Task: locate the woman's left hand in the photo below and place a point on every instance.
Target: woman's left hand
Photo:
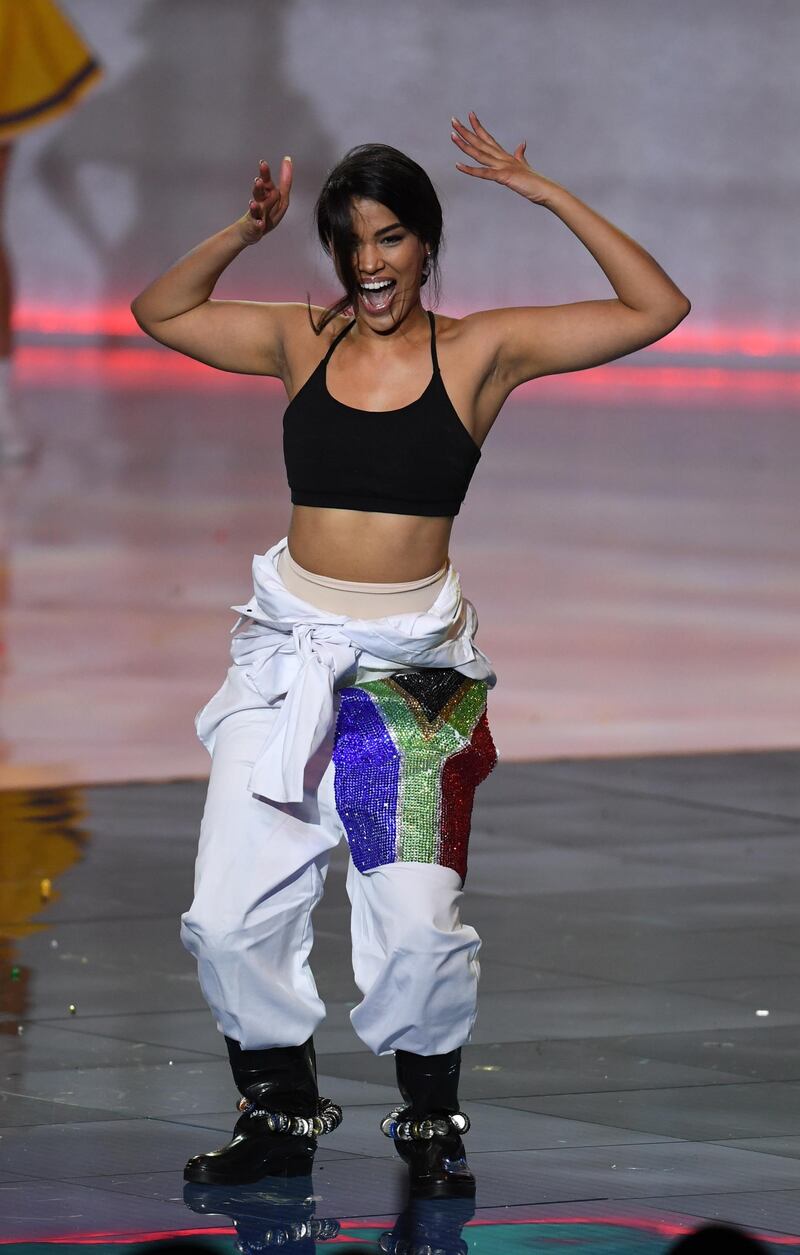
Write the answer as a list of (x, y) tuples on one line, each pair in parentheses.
[(512, 170)]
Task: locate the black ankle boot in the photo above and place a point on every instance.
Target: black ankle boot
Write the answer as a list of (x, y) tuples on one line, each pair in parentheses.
[(427, 1131), (282, 1115)]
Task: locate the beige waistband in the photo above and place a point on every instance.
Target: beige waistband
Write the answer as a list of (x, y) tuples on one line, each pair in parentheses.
[(357, 599)]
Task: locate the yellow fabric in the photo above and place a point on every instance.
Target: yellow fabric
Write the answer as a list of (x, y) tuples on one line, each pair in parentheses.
[(41, 836), (45, 66)]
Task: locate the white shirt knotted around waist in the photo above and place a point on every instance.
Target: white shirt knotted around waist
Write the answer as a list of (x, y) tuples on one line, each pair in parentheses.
[(289, 654)]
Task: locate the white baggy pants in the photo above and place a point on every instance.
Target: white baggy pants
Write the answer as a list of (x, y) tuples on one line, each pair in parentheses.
[(260, 872)]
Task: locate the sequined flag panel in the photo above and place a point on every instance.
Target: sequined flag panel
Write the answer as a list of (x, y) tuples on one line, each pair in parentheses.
[(409, 753)]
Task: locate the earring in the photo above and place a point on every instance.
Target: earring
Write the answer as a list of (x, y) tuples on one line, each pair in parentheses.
[(426, 270)]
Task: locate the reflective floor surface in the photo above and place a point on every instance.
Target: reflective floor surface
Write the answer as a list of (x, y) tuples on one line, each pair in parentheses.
[(634, 1071)]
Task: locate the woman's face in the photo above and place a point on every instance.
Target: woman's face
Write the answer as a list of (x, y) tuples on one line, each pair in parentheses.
[(388, 261)]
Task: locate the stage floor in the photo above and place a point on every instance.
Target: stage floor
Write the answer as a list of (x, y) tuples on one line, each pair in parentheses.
[(634, 1068)]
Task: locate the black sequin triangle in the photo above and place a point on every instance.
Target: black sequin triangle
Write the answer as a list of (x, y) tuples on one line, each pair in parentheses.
[(432, 689)]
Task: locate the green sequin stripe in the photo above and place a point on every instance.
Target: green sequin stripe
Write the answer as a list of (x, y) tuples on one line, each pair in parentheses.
[(419, 803), (469, 709)]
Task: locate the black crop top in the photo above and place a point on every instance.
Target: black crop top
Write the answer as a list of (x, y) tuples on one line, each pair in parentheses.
[(417, 459)]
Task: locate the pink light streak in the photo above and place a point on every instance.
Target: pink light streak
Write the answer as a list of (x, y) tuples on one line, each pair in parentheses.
[(642, 1224), (746, 340)]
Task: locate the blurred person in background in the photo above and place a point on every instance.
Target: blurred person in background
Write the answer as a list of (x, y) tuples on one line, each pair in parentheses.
[(45, 69)]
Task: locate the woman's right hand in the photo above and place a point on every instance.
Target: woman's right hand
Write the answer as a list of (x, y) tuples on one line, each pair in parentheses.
[(269, 203)]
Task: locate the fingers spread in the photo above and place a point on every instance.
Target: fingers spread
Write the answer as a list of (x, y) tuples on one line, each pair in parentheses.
[(472, 147), (481, 130), (470, 136), (459, 126), (460, 140)]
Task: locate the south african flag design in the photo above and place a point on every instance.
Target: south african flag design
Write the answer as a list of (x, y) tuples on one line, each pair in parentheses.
[(409, 753)]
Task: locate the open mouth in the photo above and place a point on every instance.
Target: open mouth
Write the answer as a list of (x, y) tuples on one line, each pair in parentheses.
[(376, 296)]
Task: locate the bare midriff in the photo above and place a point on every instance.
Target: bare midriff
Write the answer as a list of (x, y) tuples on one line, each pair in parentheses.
[(373, 548)]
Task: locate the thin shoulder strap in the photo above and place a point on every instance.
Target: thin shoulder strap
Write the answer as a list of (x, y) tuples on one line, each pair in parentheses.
[(434, 357), (340, 336)]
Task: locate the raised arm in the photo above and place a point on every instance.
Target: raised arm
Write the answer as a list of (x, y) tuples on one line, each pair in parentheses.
[(243, 336), (531, 341)]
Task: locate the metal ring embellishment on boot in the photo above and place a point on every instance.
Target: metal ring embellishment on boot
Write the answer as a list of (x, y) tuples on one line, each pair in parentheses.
[(328, 1118), (423, 1130), (316, 1230), (388, 1244)]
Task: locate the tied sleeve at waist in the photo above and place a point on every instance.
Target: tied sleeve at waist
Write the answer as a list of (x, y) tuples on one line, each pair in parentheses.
[(299, 671), (293, 656)]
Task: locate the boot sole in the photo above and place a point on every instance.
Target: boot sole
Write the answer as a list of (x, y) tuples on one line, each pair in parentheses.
[(293, 1166)]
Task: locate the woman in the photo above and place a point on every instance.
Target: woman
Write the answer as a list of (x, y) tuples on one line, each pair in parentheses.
[(356, 699)]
